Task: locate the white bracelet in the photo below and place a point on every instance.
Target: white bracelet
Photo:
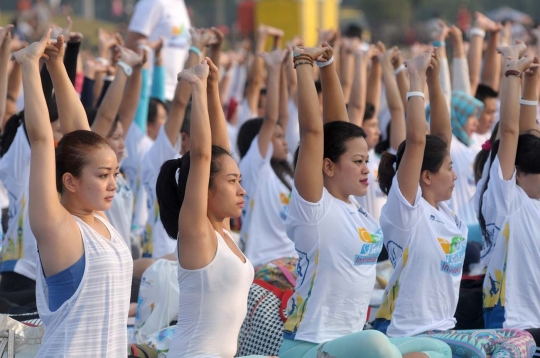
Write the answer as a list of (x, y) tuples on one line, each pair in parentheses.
[(526, 102), (145, 47), (476, 31), (400, 69), (415, 94), (103, 61), (324, 64)]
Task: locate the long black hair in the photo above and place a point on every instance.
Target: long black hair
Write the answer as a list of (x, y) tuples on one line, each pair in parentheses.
[(483, 155), (434, 153), (247, 133), (171, 187)]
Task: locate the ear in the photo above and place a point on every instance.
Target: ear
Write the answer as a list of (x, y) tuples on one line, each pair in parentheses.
[(328, 167), (70, 182), (425, 177)]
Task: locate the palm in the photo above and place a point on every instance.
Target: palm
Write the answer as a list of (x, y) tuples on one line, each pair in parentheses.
[(513, 52), (420, 63), (195, 74), (313, 52), (274, 58)]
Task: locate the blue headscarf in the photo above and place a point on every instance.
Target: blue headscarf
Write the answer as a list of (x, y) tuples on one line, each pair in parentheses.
[(463, 106)]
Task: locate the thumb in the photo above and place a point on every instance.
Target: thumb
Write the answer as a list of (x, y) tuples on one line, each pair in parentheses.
[(46, 36)]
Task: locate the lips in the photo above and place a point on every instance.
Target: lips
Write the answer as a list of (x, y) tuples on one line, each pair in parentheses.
[(109, 198), (365, 181), (241, 204)]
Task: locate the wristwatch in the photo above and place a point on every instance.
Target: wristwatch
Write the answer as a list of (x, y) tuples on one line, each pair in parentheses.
[(127, 69)]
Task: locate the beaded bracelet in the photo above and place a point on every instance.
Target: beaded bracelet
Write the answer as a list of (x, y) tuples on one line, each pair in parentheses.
[(302, 56), (302, 62)]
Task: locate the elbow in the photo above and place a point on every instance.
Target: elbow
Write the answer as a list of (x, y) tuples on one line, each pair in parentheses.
[(416, 140), (311, 131), (509, 129), (200, 154)]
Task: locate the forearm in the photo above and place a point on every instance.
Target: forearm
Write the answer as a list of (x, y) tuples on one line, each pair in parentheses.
[(46, 82), (347, 72), (71, 111), (200, 133), (397, 111), (128, 106), (37, 121), (491, 74), (87, 94), (444, 78), (108, 109), (334, 108), (440, 124), (527, 114), (416, 117), (218, 124), (475, 60), (283, 118), (357, 100), (373, 96), (14, 81), (461, 75)]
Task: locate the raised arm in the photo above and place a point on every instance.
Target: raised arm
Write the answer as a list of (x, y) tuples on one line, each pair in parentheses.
[(348, 47), (357, 100), (132, 94), (199, 40), (71, 112), (528, 112), (255, 79), (111, 101), (401, 78), (411, 164), (194, 242), (491, 73), (374, 81), (214, 48), (283, 117), (460, 73), (440, 124), (218, 123), (477, 34), (308, 175), (397, 112), (54, 228), (439, 41), (334, 108), (511, 89), (5, 52), (273, 63)]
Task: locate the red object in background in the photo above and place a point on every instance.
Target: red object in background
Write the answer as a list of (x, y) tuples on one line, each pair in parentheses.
[(246, 17), (23, 5), (463, 18), (79, 80)]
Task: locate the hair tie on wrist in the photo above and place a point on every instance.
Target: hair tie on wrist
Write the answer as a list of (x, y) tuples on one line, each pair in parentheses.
[(400, 69), (195, 50), (487, 145), (476, 31), (415, 94), (327, 63), (526, 102), (439, 44)]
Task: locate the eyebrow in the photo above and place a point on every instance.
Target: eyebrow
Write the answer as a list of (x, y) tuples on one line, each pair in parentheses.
[(107, 168), (234, 175), (358, 155)]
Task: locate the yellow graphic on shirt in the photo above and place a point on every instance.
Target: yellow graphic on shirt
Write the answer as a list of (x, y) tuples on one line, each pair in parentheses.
[(148, 242), (494, 287), (365, 236), (13, 250), (389, 304), (297, 304), (178, 30), (284, 198), (405, 256)]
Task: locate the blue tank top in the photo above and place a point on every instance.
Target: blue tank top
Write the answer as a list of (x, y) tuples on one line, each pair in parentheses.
[(63, 285)]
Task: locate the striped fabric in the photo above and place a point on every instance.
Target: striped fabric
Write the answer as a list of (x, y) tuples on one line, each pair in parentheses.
[(92, 323)]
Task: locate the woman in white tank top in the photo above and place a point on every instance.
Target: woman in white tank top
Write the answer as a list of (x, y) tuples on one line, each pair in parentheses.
[(198, 194), (92, 321)]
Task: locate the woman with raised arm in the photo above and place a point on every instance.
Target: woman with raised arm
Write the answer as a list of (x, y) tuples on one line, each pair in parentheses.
[(509, 206), (267, 175), (425, 239), (75, 241), (337, 240), (198, 194)]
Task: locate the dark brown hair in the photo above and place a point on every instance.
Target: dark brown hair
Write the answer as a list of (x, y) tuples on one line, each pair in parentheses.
[(73, 152)]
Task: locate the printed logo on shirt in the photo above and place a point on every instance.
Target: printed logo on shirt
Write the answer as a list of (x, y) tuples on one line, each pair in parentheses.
[(455, 254), (179, 37), (362, 211), (370, 249), (284, 199), (492, 231)]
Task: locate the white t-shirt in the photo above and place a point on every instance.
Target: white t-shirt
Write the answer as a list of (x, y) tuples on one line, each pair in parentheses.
[(512, 281), (120, 213), (168, 19), (263, 233), (338, 245), (427, 248), (374, 200), (463, 196), (245, 113), (156, 242), (137, 145), (293, 128), (19, 252), (478, 140)]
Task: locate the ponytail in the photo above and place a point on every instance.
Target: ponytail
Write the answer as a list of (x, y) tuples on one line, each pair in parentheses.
[(483, 155), (491, 155), (169, 195)]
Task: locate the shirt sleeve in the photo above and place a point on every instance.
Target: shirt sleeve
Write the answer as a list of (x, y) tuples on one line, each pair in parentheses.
[(252, 165), (502, 192), (146, 16), (303, 211)]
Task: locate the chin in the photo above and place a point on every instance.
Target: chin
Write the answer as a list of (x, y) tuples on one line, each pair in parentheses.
[(360, 193)]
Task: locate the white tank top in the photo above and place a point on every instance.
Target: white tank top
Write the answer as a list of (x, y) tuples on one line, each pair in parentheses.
[(120, 214), (92, 323), (213, 305)]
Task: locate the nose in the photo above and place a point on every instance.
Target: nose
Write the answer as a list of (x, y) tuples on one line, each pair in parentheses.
[(113, 186), (241, 191)]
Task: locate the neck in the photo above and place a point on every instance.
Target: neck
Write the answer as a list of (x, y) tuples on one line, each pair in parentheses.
[(217, 223), (430, 198), (85, 215), (334, 190)]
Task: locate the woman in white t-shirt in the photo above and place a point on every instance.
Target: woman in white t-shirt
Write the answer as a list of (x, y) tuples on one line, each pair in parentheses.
[(510, 203), (267, 174), (81, 256), (425, 240), (337, 240), (198, 194)]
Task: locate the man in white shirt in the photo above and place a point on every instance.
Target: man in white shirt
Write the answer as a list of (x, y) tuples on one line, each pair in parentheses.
[(168, 19)]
